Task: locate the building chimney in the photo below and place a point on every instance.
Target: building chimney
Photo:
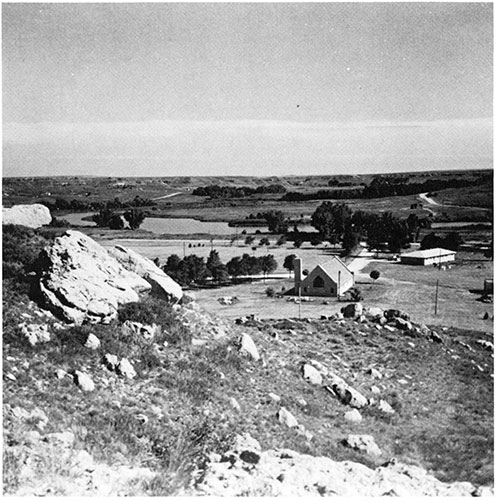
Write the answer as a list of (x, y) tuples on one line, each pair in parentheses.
[(297, 267)]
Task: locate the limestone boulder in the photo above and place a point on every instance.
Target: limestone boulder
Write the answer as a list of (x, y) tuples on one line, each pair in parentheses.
[(287, 473), (29, 215), (364, 443), (79, 281), (162, 285)]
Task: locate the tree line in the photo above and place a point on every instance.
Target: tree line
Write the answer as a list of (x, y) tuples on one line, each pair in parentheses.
[(384, 186), (194, 269), (231, 192), (61, 204)]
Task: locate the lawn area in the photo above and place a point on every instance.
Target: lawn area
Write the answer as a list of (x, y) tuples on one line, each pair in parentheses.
[(413, 289)]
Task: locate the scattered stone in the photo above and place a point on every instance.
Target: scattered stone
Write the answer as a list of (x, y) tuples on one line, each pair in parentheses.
[(435, 337), (84, 381), (374, 373), (235, 404), (390, 328), (28, 215), (347, 394), (402, 381), (92, 342), (274, 397), (364, 443), (301, 402), (373, 313), (66, 438), (485, 344), (133, 328), (385, 407), (126, 369), (402, 324), (35, 333), (411, 344), (247, 346), (374, 389), (198, 342), (285, 417), (60, 373), (111, 361), (392, 313), (312, 375), (353, 310), (353, 416)]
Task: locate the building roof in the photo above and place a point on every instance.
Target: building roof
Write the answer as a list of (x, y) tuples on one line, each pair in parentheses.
[(428, 253), (332, 267)]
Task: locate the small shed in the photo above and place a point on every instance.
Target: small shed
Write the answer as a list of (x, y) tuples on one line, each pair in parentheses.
[(434, 256), (331, 278)]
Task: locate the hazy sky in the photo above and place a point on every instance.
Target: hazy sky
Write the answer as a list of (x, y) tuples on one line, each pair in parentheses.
[(265, 89)]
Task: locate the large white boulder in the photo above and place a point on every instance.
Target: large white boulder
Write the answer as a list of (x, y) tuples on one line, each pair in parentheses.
[(162, 284), (29, 215), (79, 281)]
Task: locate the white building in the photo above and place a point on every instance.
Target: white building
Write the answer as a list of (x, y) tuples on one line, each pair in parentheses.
[(428, 257)]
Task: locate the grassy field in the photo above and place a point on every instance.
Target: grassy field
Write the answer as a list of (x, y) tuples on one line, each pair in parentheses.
[(409, 288)]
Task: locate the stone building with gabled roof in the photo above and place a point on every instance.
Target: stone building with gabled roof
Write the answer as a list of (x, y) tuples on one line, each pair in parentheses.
[(332, 278)]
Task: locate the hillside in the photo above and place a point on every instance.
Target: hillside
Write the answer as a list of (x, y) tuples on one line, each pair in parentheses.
[(77, 422)]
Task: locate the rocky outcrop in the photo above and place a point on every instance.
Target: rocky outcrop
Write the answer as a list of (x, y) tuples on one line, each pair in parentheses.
[(79, 281), (161, 283), (29, 215), (288, 473)]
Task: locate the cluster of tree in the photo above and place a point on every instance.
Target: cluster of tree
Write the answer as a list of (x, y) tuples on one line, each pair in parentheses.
[(337, 223), (194, 270), (230, 192), (108, 218), (336, 183), (450, 241), (387, 186), (322, 194), (61, 204)]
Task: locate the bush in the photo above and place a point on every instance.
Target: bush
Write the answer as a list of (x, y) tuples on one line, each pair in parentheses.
[(270, 292), (356, 295), (20, 250)]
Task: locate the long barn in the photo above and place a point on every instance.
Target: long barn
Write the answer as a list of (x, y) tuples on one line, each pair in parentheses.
[(433, 256)]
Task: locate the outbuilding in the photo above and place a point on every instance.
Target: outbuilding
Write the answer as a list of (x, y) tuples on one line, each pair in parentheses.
[(332, 278), (434, 256)]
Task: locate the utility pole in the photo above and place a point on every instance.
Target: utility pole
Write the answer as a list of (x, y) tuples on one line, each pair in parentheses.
[(300, 300), (436, 300), (184, 248)]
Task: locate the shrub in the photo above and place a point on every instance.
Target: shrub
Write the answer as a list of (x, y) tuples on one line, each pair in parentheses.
[(270, 292), (356, 295)]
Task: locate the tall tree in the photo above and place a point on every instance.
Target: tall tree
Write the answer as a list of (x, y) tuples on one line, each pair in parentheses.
[(288, 263), (331, 220), (135, 217), (276, 222)]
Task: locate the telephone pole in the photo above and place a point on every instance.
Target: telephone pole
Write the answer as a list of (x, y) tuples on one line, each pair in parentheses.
[(436, 300)]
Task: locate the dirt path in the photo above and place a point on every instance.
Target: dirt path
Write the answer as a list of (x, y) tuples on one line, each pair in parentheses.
[(427, 199), (167, 196)]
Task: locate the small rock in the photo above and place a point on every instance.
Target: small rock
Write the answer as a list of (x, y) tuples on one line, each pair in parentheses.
[(10, 376), (312, 375), (84, 381), (386, 407), (60, 374), (364, 443), (353, 310), (274, 397), (353, 416), (374, 389), (35, 333), (111, 361), (126, 369), (435, 337), (302, 402), (92, 342), (285, 417), (235, 404), (247, 346), (66, 438), (374, 373), (485, 344)]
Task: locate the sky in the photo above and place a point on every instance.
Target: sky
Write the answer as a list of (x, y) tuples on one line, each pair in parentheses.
[(163, 89)]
